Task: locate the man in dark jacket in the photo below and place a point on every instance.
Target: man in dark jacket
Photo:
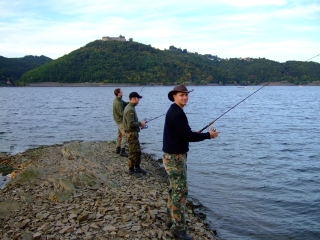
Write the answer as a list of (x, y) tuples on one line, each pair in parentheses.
[(117, 110), (132, 126), (176, 137)]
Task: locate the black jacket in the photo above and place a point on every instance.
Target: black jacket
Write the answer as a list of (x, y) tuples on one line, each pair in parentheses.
[(177, 133)]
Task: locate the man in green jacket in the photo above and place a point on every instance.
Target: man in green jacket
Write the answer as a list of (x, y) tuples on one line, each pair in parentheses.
[(117, 109), (132, 127)]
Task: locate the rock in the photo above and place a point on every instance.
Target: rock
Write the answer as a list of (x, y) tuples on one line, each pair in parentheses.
[(36, 236), (66, 229), (94, 226), (26, 236), (136, 228), (83, 217), (59, 196), (121, 233), (24, 223), (80, 190), (8, 206), (72, 216), (66, 185), (26, 197), (109, 228)]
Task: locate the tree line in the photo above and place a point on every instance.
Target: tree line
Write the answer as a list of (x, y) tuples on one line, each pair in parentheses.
[(135, 63), (11, 69)]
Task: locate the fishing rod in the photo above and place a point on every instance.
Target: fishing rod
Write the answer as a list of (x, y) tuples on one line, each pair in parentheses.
[(142, 88), (209, 124), (146, 126), (307, 60), (248, 97), (149, 120)]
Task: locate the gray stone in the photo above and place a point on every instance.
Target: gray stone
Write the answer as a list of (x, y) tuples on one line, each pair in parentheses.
[(109, 228)]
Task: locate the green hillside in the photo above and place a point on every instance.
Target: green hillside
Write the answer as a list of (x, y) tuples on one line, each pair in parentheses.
[(136, 63), (12, 68)]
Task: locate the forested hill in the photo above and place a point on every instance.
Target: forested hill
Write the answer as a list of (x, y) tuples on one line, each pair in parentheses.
[(12, 68), (131, 62)]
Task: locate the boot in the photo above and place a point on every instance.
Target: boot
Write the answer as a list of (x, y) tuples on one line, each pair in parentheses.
[(118, 150), (123, 152), (133, 173), (182, 234), (169, 224), (138, 169)]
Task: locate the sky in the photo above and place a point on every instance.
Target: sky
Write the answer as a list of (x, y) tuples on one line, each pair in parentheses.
[(279, 30)]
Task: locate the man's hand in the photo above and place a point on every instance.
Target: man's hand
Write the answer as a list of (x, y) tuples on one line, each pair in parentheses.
[(213, 133), (142, 123)]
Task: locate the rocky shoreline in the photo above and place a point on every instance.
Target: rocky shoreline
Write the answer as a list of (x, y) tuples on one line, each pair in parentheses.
[(80, 190)]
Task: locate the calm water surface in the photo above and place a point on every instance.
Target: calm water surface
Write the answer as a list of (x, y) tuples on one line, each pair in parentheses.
[(260, 179)]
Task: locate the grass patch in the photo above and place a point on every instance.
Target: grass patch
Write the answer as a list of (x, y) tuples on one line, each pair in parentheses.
[(25, 176), (5, 170)]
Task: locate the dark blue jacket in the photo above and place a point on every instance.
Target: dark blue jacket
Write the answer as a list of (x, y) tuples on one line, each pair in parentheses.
[(177, 133)]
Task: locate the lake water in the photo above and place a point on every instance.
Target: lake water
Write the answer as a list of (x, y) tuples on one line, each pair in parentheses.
[(260, 179)]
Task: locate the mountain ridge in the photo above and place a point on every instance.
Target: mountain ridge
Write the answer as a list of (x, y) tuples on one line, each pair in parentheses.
[(131, 62)]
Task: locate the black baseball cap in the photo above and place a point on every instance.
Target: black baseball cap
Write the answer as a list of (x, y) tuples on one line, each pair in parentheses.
[(134, 94)]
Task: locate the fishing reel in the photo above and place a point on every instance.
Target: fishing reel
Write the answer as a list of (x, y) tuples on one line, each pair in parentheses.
[(144, 127)]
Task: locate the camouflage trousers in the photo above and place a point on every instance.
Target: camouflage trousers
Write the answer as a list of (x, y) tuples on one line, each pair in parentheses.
[(176, 168), (134, 154), (121, 138)]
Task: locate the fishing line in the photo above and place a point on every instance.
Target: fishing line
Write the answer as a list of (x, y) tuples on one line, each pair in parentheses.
[(233, 107), (149, 120), (141, 89), (209, 124), (307, 60), (249, 96)]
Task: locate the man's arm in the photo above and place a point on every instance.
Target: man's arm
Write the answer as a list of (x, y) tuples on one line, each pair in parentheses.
[(183, 129)]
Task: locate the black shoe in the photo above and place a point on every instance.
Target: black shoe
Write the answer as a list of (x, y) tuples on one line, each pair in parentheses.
[(118, 150), (140, 170), (182, 235), (123, 153)]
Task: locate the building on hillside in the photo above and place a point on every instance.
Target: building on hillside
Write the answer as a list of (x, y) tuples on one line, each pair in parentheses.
[(120, 38)]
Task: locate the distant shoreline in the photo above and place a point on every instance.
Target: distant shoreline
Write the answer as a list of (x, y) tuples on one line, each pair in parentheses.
[(57, 84)]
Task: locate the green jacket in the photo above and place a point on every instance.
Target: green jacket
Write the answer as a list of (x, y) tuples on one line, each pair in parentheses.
[(117, 109), (130, 119)]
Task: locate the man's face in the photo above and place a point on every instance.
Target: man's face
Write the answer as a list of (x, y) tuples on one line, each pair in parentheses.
[(135, 100), (181, 98), (120, 94)]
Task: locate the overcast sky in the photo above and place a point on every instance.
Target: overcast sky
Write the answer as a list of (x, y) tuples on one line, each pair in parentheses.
[(279, 30)]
